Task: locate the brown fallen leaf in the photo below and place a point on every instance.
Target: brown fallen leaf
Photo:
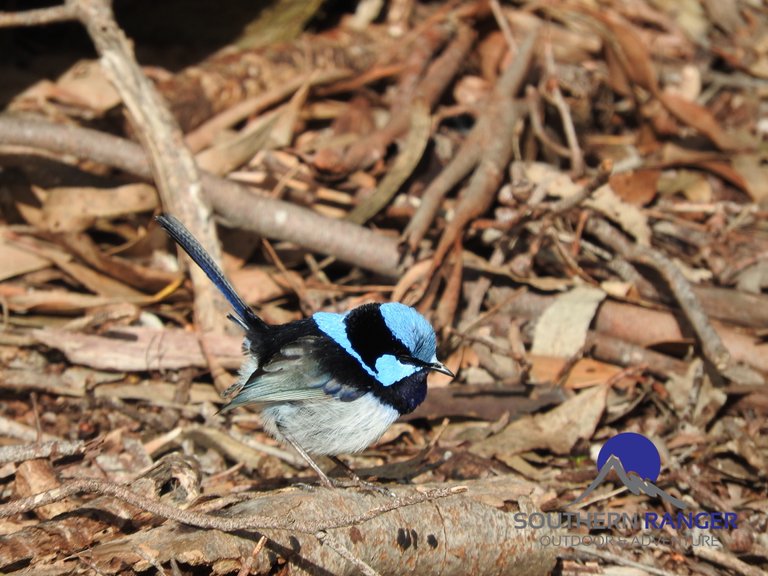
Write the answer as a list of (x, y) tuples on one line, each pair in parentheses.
[(751, 168), (17, 261), (673, 155), (85, 84), (74, 209), (127, 271), (256, 284), (98, 283), (557, 430), (585, 373), (631, 56), (636, 187), (700, 118), (236, 151), (89, 278)]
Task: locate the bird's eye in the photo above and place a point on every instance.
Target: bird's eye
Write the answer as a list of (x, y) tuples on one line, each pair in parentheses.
[(405, 359)]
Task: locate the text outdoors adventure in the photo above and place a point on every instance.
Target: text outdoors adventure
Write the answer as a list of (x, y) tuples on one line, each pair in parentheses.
[(636, 463)]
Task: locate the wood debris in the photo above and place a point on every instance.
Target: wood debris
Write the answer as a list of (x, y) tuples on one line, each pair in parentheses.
[(574, 194)]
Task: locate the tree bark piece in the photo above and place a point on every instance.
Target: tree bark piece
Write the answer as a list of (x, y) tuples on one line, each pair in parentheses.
[(620, 320), (233, 76), (463, 534), (101, 519)]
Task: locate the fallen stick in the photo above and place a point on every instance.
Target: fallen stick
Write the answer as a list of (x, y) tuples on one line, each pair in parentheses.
[(238, 204), (425, 530), (712, 346)]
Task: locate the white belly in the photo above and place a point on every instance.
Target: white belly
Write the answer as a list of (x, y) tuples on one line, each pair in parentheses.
[(329, 426)]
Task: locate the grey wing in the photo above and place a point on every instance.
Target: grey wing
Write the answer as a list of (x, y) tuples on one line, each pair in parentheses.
[(295, 374)]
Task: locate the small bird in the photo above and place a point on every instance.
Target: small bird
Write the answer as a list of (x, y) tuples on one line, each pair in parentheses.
[(332, 383)]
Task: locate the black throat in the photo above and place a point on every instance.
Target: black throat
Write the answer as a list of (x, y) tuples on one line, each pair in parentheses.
[(405, 395)]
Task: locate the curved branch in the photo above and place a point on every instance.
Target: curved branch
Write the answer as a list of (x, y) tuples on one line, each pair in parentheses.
[(238, 204), (204, 520)]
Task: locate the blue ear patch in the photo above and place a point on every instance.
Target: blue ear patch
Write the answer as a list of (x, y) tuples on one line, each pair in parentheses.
[(412, 329), (390, 370)]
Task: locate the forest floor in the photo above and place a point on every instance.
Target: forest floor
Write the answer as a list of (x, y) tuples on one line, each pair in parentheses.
[(573, 193)]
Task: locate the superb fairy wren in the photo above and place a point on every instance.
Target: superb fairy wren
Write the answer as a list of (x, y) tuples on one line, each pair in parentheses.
[(332, 383)]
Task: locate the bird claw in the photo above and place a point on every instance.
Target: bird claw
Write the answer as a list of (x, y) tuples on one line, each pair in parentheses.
[(363, 485), (305, 486), (344, 483)]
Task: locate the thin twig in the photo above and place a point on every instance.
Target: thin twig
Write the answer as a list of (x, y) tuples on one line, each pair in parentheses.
[(191, 518), (247, 565), (410, 155), (503, 23), (711, 345), (727, 560), (222, 379), (38, 17), (577, 156), (202, 136), (600, 179), (533, 99), (500, 117), (144, 554), (429, 87), (482, 145), (477, 293), (343, 551), (13, 429), (620, 560)]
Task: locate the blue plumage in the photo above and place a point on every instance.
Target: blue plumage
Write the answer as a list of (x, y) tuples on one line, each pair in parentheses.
[(390, 370), (332, 383), (333, 326), (404, 323), (412, 329)]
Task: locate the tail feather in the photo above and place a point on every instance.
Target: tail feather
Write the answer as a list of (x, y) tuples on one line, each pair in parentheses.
[(244, 315)]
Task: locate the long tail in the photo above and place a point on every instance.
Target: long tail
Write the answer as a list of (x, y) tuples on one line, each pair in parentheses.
[(246, 317)]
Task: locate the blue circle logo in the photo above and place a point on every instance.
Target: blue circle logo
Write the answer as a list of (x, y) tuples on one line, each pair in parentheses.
[(636, 453)]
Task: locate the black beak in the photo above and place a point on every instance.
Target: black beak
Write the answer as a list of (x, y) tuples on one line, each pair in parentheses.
[(442, 368)]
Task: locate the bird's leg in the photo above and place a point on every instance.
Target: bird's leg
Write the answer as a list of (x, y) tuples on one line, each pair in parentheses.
[(324, 480), (344, 466), (327, 482)]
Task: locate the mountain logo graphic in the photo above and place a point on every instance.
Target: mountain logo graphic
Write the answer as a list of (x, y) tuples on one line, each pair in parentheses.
[(636, 462)]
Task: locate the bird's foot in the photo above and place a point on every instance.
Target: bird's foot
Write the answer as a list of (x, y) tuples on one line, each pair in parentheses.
[(356, 482), (353, 481)]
